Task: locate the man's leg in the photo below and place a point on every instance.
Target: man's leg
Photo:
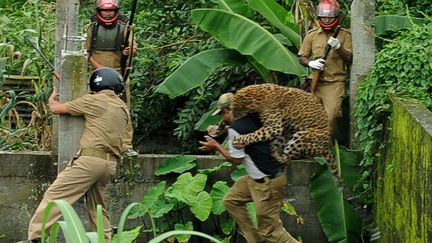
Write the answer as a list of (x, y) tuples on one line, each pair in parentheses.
[(70, 185), (331, 95), (95, 196), (268, 202), (235, 202)]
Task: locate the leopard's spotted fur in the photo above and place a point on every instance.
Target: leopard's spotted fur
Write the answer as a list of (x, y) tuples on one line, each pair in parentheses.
[(292, 119)]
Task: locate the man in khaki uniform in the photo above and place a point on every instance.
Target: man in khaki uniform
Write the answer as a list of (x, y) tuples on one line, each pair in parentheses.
[(104, 44), (264, 184), (331, 85), (106, 121)]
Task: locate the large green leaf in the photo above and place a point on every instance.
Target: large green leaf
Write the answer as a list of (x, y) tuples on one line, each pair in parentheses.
[(279, 17), (200, 205), (194, 71), (168, 234), (351, 170), (208, 119), (216, 168), (121, 224), (340, 222), (237, 32), (187, 226), (238, 172), (128, 236), (177, 164), (236, 6), (154, 202), (227, 225), (218, 193), (187, 184), (99, 224), (72, 227), (395, 22)]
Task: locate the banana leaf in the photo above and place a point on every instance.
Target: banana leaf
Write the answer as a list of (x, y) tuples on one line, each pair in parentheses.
[(237, 32), (194, 71), (278, 17), (340, 221), (208, 119), (395, 22), (236, 6)]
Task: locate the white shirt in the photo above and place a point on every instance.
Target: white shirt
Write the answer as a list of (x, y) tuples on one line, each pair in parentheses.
[(249, 165)]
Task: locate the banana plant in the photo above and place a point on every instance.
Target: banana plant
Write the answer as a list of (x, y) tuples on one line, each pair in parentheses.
[(339, 219), (245, 41)]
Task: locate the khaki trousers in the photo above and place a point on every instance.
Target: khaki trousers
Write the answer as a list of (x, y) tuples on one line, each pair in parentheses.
[(331, 94), (86, 176), (126, 97), (267, 197)]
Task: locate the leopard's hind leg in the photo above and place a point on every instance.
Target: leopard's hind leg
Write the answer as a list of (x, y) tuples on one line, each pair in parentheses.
[(310, 143)]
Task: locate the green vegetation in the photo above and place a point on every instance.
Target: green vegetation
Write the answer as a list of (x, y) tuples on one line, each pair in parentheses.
[(34, 18), (401, 68)]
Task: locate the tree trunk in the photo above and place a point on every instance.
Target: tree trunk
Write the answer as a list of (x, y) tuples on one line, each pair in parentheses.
[(363, 35)]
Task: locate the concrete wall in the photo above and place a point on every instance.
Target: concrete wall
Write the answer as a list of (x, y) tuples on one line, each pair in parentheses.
[(25, 176), (404, 185)]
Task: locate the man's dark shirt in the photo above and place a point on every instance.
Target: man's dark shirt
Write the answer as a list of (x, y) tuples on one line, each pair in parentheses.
[(260, 152)]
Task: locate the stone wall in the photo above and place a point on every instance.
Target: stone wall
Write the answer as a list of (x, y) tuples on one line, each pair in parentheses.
[(25, 176), (404, 185)]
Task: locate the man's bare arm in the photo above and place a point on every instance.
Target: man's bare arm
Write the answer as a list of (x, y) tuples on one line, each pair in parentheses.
[(211, 144), (55, 105)]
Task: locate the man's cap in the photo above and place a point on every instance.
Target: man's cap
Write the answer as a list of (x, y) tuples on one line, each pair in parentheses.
[(223, 101)]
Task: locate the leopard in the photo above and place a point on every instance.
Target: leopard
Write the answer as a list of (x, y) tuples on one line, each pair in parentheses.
[(293, 120), (295, 123)]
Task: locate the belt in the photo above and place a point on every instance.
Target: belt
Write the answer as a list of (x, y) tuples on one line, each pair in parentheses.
[(280, 172), (98, 154)]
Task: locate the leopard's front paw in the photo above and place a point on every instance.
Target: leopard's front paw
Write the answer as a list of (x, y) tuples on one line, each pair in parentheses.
[(239, 142)]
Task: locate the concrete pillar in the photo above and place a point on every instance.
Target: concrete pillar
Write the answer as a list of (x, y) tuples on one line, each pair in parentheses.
[(73, 85), (363, 36)]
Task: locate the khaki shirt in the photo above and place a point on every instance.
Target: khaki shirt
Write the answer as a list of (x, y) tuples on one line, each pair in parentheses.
[(106, 121), (313, 48), (106, 58)]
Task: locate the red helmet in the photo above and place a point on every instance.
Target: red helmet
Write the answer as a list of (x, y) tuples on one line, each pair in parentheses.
[(107, 5), (329, 9)]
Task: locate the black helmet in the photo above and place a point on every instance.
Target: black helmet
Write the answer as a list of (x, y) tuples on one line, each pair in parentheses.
[(106, 78)]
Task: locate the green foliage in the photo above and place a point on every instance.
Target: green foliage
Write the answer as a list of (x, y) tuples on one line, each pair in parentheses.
[(173, 202), (258, 42), (402, 68), (73, 229), (183, 232), (417, 8), (340, 221), (165, 37), (37, 19)]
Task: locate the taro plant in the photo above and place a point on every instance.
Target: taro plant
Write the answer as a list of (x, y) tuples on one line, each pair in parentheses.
[(185, 204), (191, 202), (74, 232)]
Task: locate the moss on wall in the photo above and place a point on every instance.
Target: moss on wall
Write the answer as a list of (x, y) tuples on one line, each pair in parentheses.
[(404, 186)]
